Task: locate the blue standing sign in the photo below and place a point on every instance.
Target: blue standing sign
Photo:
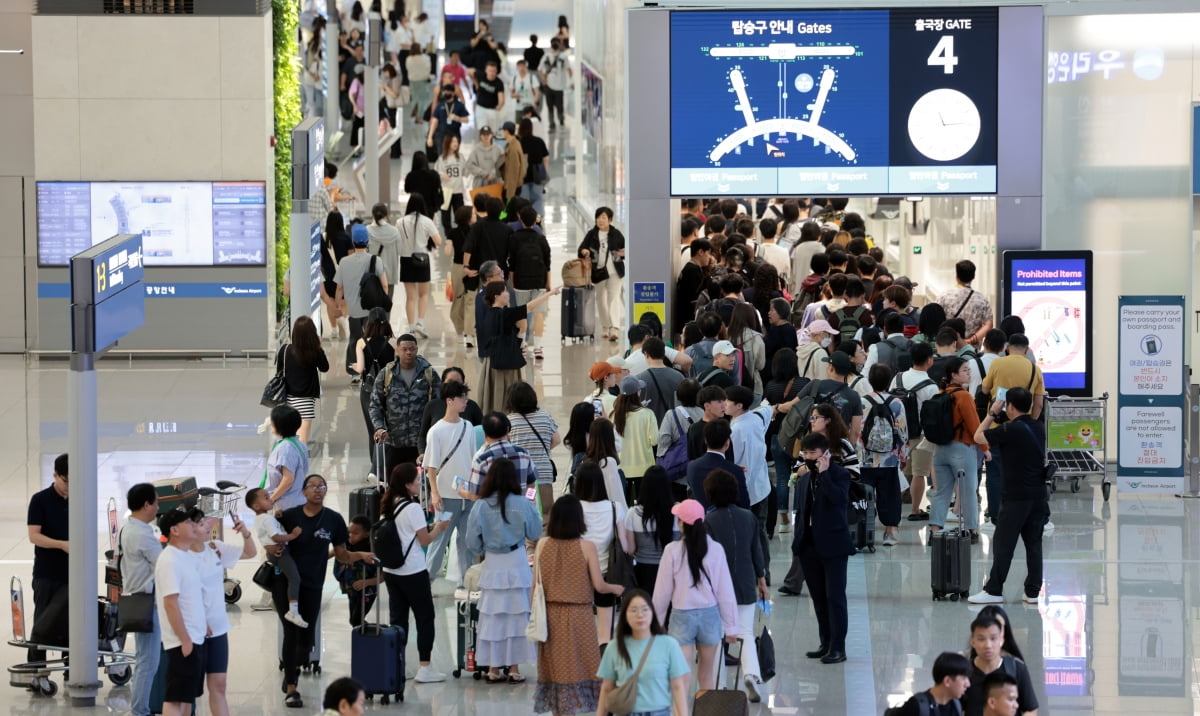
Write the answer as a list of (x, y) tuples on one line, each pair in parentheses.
[(107, 297)]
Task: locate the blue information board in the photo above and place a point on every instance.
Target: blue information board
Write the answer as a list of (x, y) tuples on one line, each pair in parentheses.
[(107, 297)]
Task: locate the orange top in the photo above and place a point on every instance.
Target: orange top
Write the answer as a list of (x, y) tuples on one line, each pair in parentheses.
[(966, 420)]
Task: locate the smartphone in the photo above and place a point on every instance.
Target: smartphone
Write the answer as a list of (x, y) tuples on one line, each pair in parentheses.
[(1001, 393), (531, 493), (444, 516), (232, 517)]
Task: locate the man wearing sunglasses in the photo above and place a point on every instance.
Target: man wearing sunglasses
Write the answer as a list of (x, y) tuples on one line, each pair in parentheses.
[(48, 526)]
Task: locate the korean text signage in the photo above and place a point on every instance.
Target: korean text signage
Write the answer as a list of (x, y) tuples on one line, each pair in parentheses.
[(107, 299), (650, 297), (1150, 395)]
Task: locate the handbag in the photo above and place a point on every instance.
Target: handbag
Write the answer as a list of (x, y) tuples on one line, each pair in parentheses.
[(135, 612), (275, 391), (623, 698), (599, 272), (553, 467), (264, 576), (418, 259), (537, 629), (620, 564), (765, 645)]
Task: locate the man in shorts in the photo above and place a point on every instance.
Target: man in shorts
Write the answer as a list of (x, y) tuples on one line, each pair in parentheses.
[(180, 601), (920, 450)]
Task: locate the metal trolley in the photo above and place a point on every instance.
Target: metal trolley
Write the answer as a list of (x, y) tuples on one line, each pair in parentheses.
[(1076, 438), (225, 499)]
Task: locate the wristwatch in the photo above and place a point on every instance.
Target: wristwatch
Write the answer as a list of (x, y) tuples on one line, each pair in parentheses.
[(995, 416)]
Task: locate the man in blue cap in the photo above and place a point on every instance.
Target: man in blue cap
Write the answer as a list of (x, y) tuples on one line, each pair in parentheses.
[(349, 274)]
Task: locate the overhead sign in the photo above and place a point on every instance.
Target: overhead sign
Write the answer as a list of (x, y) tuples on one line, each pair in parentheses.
[(107, 298), (1150, 394)]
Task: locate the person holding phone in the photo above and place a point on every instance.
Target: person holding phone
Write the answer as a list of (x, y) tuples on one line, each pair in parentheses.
[(1011, 371)]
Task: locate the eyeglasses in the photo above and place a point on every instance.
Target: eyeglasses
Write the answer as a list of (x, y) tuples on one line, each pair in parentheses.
[(318, 488), (811, 418)]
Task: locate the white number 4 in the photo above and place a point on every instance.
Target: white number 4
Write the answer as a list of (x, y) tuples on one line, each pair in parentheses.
[(943, 54)]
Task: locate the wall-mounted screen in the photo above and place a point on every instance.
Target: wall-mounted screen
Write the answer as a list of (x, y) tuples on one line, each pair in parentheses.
[(1052, 293), (186, 223), (843, 101)]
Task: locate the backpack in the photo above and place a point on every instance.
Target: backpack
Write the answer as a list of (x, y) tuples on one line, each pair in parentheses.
[(675, 459), (795, 424), (708, 375), (880, 436), (385, 539), (937, 371), (371, 293), (925, 704), (803, 297), (895, 353), (908, 396), (389, 371), (937, 418), (849, 323), (702, 356)]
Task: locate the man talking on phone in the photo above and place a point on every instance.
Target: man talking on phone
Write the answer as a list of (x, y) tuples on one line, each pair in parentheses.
[(1013, 370), (821, 542), (1023, 512)]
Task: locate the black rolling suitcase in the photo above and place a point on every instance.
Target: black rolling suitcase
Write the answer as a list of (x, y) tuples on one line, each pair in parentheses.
[(950, 571), (861, 515), (578, 312), (365, 500)]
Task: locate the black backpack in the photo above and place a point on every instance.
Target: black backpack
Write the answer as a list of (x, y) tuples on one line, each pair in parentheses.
[(385, 539), (895, 353), (908, 396), (937, 371), (937, 418), (371, 292), (849, 323), (924, 705)]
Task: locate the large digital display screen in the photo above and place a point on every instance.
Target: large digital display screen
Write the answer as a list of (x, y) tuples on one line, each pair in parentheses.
[(844, 101), (1052, 293), (189, 223)]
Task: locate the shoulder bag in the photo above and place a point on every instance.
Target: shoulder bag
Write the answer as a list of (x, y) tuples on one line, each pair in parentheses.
[(135, 612), (599, 271), (537, 629), (419, 259), (620, 565), (275, 392), (970, 292), (623, 698), (553, 467)]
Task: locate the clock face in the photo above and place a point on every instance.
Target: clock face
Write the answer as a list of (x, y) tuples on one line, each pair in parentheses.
[(943, 124)]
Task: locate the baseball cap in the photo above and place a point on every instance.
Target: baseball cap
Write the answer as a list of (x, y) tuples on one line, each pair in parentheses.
[(170, 518), (485, 130), (631, 385), (509, 127), (723, 348), (905, 281), (840, 362), (689, 511), (601, 370), (358, 233), (820, 326)]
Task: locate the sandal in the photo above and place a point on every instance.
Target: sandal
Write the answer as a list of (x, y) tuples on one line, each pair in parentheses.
[(495, 679), (516, 678), (293, 700), (918, 516)]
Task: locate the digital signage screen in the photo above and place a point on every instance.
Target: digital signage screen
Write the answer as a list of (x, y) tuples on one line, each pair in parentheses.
[(1052, 293), (845, 101), (187, 223)]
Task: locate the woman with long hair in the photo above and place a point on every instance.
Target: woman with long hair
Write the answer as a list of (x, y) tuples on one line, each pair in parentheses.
[(409, 585), (335, 246), (693, 579), (957, 458), (875, 300), (764, 288), (374, 351), (641, 641), (638, 429), (418, 239), (567, 682), (314, 72), (602, 519), (826, 419), (534, 430), (449, 167), (301, 362), (649, 526), (423, 181), (500, 522), (932, 318), (602, 450), (384, 242), (743, 334), (779, 334), (576, 438)]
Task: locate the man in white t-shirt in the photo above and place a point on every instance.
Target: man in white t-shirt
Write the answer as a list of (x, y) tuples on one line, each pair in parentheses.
[(449, 448), (636, 363), (179, 597), (526, 89), (770, 251)]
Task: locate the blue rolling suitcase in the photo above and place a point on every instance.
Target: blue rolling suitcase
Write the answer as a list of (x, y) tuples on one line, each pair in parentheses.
[(377, 658)]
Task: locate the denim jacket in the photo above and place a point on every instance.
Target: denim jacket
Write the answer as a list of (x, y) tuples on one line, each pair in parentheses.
[(398, 407), (488, 532)]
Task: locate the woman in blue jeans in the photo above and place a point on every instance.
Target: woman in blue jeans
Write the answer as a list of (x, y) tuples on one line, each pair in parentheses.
[(957, 460)]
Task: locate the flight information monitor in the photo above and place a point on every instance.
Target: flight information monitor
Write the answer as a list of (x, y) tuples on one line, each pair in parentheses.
[(186, 223), (840, 101)]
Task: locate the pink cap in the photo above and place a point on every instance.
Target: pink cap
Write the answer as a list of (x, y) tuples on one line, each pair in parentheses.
[(689, 511), (820, 326)]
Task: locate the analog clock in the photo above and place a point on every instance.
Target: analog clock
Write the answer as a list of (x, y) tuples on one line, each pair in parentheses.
[(943, 124)]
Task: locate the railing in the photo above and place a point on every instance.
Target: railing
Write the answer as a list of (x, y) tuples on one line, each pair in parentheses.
[(164, 353), (154, 7)]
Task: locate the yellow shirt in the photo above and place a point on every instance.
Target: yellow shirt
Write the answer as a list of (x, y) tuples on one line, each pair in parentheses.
[(1013, 371), (638, 442)]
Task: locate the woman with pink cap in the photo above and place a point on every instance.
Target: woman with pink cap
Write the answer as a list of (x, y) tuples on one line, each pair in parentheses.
[(693, 579), (816, 342)]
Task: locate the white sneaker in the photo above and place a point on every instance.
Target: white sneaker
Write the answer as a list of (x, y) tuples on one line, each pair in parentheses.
[(419, 330), (1048, 529), (982, 597), (890, 542), (752, 683), (1028, 599), (296, 619), (426, 675), (266, 604), (784, 528)]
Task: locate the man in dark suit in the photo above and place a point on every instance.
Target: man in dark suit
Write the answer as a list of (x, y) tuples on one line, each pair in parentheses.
[(716, 437), (821, 543)]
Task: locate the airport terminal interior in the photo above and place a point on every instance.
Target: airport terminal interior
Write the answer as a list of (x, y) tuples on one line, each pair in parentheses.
[(1111, 631)]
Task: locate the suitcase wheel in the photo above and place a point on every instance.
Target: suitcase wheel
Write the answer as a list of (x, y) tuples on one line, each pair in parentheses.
[(964, 595), (385, 700), (937, 596), (457, 673), (954, 596), (871, 548), (477, 675)]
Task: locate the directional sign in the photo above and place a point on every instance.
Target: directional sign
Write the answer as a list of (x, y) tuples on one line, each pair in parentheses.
[(107, 294), (113, 266)]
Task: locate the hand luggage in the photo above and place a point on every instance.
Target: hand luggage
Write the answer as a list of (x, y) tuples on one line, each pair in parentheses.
[(467, 628), (365, 501), (176, 492), (864, 510), (577, 273), (950, 571), (579, 313), (723, 702), (377, 658)]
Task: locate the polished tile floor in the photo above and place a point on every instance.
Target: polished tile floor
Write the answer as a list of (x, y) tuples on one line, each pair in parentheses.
[(1112, 634)]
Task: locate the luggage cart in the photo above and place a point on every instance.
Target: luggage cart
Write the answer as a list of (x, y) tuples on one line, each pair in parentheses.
[(467, 606), (225, 499), (1076, 437), (35, 675)]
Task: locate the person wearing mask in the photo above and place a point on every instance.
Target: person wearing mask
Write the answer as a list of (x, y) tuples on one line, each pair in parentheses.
[(643, 647), (739, 534), (348, 277), (500, 523), (694, 581), (418, 240), (555, 73), (955, 463), (515, 164), (461, 314), (951, 679), (139, 551), (375, 350), (483, 166), (649, 526), (885, 449), (384, 242), (717, 440), (638, 429), (398, 401), (529, 257), (451, 169), (605, 376), (301, 363), (815, 343), (566, 682), (604, 522), (604, 246), (537, 159), (214, 557), (450, 445), (179, 600), (446, 120)]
